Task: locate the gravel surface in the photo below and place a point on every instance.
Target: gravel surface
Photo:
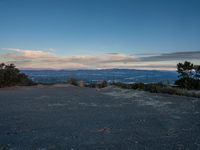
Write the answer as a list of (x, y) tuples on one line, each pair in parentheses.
[(71, 118)]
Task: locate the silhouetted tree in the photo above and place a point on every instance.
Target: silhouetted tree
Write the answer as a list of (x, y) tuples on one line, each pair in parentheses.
[(10, 75), (189, 75), (185, 69), (197, 69)]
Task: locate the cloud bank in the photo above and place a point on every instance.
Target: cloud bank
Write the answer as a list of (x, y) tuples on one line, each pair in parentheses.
[(48, 59)]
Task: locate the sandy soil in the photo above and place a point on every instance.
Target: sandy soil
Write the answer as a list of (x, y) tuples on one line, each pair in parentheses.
[(63, 117)]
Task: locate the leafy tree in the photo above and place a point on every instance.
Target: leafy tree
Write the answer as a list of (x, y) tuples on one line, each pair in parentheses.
[(185, 69), (189, 75), (197, 69), (10, 76)]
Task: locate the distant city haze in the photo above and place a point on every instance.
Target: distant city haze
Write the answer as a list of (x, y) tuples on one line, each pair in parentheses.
[(99, 34)]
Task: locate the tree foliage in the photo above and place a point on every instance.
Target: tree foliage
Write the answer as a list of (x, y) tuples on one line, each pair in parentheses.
[(10, 76), (189, 75)]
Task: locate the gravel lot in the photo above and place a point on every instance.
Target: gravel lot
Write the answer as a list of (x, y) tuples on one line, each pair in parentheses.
[(70, 118)]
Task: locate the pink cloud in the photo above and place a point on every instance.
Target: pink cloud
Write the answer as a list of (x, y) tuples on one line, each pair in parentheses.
[(25, 58)]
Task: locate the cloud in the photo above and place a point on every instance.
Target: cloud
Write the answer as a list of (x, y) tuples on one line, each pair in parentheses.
[(26, 58), (28, 54), (173, 56)]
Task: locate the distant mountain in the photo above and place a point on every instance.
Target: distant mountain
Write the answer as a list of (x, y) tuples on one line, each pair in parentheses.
[(111, 75)]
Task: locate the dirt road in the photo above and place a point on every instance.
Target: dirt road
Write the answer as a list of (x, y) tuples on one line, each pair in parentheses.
[(72, 118)]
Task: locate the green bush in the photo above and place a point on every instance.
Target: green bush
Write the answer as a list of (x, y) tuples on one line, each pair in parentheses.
[(73, 81), (10, 76), (158, 88), (102, 84), (188, 83), (189, 76)]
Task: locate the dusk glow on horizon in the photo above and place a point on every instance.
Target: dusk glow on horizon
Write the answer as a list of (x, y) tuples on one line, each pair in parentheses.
[(99, 34)]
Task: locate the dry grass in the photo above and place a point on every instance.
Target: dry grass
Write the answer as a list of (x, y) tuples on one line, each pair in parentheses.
[(160, 88)]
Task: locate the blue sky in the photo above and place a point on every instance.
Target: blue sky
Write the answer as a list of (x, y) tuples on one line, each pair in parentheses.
[(91, 28)]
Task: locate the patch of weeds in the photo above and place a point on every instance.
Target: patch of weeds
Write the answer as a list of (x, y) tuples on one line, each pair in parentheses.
[(73, 81), (158, 88), (102, 84)]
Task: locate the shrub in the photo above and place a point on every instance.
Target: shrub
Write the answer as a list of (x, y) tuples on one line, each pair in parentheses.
[(10, 76), (121, 85), (189, 75), (103, 84), (158, 88), (73, 81), (188, 83)]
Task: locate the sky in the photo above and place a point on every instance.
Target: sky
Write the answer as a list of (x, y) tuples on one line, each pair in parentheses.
[(99, 34)]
